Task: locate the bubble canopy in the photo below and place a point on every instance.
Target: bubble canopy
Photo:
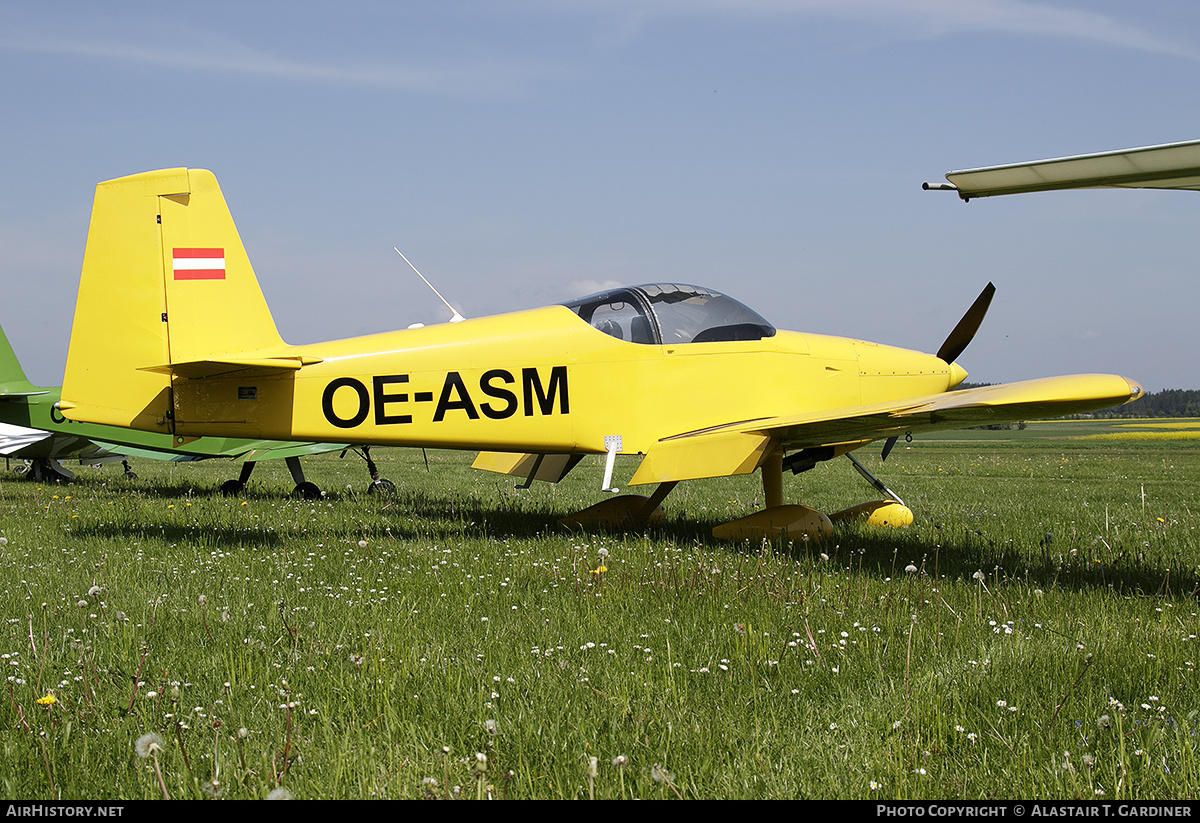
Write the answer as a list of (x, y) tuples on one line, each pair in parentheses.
[(669, 313)]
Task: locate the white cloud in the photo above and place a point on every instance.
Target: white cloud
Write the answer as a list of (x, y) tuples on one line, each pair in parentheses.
[(919, 18), (198, 50)]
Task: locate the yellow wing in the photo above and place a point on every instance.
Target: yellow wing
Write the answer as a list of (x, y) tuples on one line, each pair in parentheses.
[(738, 448)]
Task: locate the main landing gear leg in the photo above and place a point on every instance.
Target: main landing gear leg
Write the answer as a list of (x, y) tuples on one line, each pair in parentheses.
[(378, 484), (304, 490), (46, 470), (777, 521), (232, 487)]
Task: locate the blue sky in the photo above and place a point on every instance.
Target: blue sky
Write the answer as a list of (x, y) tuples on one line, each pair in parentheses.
[(523, 153)]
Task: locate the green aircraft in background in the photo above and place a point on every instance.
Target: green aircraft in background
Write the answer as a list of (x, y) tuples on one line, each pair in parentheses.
[(33, 430)]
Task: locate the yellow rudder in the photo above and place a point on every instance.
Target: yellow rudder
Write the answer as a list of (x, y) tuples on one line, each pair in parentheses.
[(165, 280)]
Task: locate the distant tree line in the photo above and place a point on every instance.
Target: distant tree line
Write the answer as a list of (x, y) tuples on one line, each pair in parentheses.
[(1165, 403)]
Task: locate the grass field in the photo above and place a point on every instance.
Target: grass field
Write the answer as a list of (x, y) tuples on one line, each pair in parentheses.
[(1033, 635)]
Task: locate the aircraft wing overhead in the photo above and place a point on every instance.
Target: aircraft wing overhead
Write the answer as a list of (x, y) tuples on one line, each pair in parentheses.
[(737, 448), (1168, 166)]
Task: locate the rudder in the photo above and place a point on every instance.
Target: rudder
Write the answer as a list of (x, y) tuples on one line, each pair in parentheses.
[(165, 280)]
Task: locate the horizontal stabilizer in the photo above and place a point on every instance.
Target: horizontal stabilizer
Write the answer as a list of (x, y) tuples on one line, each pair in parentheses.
[(205, 448), (220, 366), (270, 450), (152, 454), (15, 438)]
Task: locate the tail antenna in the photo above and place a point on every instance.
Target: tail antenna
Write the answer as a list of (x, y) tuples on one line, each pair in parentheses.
[(455, 316)]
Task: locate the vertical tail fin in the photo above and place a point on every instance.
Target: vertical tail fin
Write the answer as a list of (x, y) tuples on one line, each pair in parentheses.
[(165, 280), (12, 376)]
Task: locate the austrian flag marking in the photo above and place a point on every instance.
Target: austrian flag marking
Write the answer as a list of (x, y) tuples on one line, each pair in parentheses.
[(198, 264)]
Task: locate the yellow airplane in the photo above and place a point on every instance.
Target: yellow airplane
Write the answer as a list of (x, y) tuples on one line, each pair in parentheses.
[(172, 334)]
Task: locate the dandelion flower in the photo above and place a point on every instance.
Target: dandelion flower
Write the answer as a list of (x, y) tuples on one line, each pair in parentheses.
[(48, 700), (910, 568), (148, 744)]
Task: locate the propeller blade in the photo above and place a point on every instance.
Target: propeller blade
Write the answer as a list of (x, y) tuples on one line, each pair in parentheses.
[(961, 337)]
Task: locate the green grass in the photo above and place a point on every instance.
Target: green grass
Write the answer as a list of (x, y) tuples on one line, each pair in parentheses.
[(1045, 644)]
